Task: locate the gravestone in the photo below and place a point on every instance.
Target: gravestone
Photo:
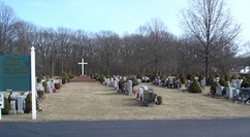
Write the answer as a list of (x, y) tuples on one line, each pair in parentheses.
[(140, 93), (229, 92), (219, 90), (39, 86), (20, 104), (234, 83), (238, 84), (13, 99), (108, 81), (203, 82), (130, 87)]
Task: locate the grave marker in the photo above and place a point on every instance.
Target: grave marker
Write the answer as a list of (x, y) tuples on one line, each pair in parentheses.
[(83, 63)]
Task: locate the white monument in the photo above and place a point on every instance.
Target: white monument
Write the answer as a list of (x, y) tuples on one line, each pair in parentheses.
[(83, 63)]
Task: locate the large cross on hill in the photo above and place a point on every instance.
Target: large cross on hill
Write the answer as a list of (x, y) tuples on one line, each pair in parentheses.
[(83, 63)]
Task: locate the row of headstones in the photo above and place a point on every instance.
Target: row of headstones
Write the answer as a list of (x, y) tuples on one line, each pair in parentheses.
[(17, 102), (172, 82), (127, 88), (50, 85)]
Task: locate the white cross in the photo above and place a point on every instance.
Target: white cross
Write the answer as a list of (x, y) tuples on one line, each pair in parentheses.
[(83, 63)]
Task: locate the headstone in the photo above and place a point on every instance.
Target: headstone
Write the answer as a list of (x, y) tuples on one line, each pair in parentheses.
[(117, 84), (203, 82), (219, 90), (39, 86), (140, 93), (49, 86), (238, 84), (108, 82), (229, 92), (129, 88), (12, 107), (234, 83), (112, 82), (20, 104)]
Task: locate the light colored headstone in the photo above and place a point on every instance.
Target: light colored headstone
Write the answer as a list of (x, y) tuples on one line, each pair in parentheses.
[(130, 88), (13, 107), (219, 90), (229, 92), (203, 82), (238, 84), (234, 83), (50, 87), (20, 104), (140, 93)]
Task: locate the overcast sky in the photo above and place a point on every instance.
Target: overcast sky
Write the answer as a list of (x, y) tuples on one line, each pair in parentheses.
[(119, 16)]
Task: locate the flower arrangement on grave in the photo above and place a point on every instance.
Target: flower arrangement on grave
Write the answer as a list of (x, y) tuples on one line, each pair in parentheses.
[(54, 90), (6, 109), (195, 88)]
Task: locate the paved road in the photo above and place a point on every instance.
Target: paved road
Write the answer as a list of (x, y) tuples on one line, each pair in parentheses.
[(141, 128)]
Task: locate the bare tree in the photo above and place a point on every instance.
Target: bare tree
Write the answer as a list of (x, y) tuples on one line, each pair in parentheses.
[(212, 25)]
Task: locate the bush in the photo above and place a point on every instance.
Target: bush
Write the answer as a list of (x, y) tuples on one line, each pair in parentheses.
[(40, 93), (190, 77), (38, 79), (159, 100), (28, 104), (223, 82), (245, 83), (45, 86), (57, 85), (101, 78), (227, 78), (213, 87), (194, 87), (134, 81), (65, 76), (234, 77), (6, 109), (182, 78), (70, 75), (121, 84), (64, 80)]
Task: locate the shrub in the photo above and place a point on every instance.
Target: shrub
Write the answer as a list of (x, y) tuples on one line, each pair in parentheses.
[(101, 78), (182, 78), (223, 82), (70, 75), (213, 87), (190, 77), (121, 84), (64, 80), (28, 104), (245, 83), (45, 86), (57, 85), (6, 109), (194, 87), (40, 93), (159, 100), (234, 77), (38, 79), (39, 75), (134, 81), (139, 76), (227, 78), (65, 76)]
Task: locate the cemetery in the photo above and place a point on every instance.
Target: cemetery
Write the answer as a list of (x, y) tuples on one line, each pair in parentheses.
[(49, 74)]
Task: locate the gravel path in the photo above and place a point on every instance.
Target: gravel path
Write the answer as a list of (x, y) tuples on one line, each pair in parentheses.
[(93, 101)]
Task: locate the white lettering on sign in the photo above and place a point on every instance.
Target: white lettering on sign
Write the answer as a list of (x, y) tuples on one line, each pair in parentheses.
[(1, 101)]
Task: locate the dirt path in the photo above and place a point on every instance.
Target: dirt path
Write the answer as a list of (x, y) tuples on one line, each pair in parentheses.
[(93, 101)]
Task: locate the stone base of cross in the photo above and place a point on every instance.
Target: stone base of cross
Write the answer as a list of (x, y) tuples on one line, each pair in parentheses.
[(83, 63)]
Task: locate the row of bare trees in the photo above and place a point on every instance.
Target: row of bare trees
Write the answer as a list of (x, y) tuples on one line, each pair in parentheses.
[(209, 45)]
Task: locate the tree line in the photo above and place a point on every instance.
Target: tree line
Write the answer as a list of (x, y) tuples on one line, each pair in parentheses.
[(208, 45)]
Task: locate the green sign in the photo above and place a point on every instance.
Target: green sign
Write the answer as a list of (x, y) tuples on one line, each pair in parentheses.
[(15, 72)]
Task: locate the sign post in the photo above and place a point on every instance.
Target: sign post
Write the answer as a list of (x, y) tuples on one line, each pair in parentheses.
[(1, 105), (33, 82)]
